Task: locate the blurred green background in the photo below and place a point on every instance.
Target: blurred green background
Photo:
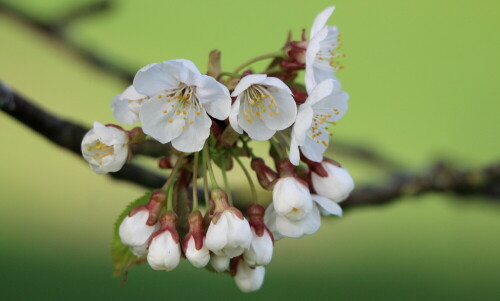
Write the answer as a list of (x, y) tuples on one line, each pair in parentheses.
[(423, 81)]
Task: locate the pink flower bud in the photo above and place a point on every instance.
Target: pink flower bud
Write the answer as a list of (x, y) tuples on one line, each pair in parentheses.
[(261, 248), (194, 243), (332, 181)]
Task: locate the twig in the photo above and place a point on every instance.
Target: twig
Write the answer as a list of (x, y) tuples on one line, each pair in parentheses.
[(57, 32)]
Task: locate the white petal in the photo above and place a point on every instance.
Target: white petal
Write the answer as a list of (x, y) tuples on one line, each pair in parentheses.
[(188, 64), (134, 231), (153, 79), (257, 130), (287, 108), (233, 117), (260, 251), (327, 206), (314, 150), (213, 96), (294, 152), (198, 258), (295, 229), (291, 198), (320, 91), (249, 279), (270, 222), (140, 251), (239, 235), (110, 135), (216, 238), (247, 81), (336, 186), (321, 19), (157, 124), (334, 104), (302, 124), (219, 263), (164, 253), (122, 111), (277, 83), (193, 137)]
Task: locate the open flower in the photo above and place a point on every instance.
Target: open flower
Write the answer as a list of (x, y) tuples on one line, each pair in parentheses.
[(105, 148), (261, 248), (320, 55), (126, 106), (180, 98), (194, 243), (324, 106), (229, 233), (164, 248), (281, 226), (142, 221), (248, 279), (263, 106), (333, 181)]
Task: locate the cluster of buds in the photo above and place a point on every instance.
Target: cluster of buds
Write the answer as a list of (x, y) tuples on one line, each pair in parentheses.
[(210, 120)]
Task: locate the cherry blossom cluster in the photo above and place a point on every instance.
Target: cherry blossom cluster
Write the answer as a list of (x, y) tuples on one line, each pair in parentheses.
[(210, 120)]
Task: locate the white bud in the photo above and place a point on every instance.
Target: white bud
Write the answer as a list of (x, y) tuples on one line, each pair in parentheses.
[(164, 252), (336, 186), (140, 251), (249, 279), (198, 258), (291, 198), (134, 231), (230, 236), (260, 251), (105, 148), (219, 263)]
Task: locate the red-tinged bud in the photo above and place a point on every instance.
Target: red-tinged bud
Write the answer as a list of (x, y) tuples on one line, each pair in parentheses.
[(164, 248), (194, 243), (295, 52), (287, 169), (229, 136), (260, 251), (247, 278), (265, 174), (246, 72), (331, 180), (216, 130), (299, 95), (136, 135), (115, 126), (167, 162)]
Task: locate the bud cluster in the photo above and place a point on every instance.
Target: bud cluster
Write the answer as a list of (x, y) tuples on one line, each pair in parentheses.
[(210, 120)]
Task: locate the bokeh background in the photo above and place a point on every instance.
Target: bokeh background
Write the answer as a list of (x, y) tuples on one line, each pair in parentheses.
[(423, 80)]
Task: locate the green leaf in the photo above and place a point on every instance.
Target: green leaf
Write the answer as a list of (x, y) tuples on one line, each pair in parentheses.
[(121, 256)]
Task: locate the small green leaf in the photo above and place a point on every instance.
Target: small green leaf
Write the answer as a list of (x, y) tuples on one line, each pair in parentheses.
[(121, 256)]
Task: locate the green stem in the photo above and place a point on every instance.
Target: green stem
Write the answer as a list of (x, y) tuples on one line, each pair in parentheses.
[(195, 186), (206, 158), (278, 148), (249, 178), (248, 148), (173, 173), (170, 193), (205, 181), (256, 59), (226, 186), (281, 138)]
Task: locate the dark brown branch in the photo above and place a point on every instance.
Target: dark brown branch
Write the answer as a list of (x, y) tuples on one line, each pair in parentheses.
[(57, 32), (66, 134)]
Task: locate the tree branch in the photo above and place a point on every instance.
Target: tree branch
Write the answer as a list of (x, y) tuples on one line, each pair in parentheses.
[(66, 134)]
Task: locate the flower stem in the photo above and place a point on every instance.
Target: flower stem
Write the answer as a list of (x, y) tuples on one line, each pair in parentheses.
[(205, 181), (206, 158), (173, 173), (170, 201), (256, 59), (248, 148), (249, 178), (281, 138), (278, 148), (195, 186), (226, 186)]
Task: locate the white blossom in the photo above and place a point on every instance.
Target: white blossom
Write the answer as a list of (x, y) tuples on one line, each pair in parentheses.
[(249, 279), (164, 252), (260, 251), (320, 55), (324, 106), (291, 198), (282, 226), (219, 263), (336, 186), (263, 106), (126, 106), (134, 230), (229, 236), (105, 148), (198, 258), (180, 98)]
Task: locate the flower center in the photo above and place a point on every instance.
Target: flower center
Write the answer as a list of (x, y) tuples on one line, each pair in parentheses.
[(257, 101), (101, 150), (183, 103), (326, 53)]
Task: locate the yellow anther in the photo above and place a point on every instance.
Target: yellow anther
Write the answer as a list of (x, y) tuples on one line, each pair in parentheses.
[(184, 112), (160, 96), (251, 102), (166, 90), (164, 111), (278, 112), (190, 122), (198, 113), (100, 162), (171, 120), (271, 114), (183, 127)]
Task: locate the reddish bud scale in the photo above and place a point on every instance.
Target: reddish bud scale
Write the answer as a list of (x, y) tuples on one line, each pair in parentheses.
[(265, 174), (219, 199), (168, 222), (165, 163), (256, 220), (115, 126), (154, 205), (287, 169), (299, 95), (233, 264), (195, 221), (216, 130), (136, 135)]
